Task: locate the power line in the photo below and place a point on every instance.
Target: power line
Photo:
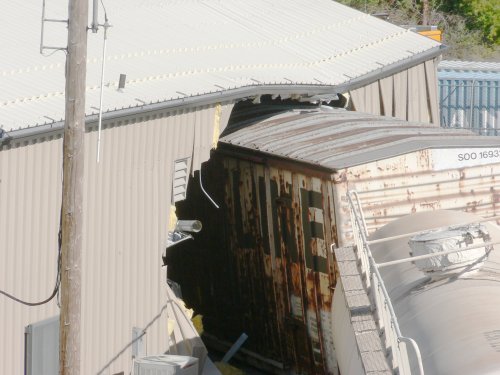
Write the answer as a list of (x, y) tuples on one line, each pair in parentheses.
[(56, 286)]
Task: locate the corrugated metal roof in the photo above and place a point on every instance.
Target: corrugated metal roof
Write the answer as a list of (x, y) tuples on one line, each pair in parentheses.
[(336, 138), (469, 70), (484, 66), (173, 50)]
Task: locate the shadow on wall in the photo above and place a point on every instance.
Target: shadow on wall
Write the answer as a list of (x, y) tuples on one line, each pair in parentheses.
[(181, 335)]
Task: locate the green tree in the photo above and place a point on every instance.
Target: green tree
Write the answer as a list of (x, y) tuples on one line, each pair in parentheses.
[(471, 28), (483, 15)]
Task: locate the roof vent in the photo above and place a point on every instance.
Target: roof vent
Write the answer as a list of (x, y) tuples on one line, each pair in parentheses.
[(453, 238), (122, 81)]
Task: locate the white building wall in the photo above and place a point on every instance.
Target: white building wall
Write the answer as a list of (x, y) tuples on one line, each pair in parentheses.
[(126, 210)]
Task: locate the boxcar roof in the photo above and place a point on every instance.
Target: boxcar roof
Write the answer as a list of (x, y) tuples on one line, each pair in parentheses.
[(336, 138)]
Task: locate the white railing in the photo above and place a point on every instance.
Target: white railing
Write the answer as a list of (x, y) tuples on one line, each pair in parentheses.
[(370, 269), (386, 317)]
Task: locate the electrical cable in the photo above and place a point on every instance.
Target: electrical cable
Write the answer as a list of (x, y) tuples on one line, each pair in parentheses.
[(65, 50), (105, 14), (58, 275), (56, 286)]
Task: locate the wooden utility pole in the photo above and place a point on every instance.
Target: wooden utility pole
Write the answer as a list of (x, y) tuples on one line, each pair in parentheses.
[(72, 190)]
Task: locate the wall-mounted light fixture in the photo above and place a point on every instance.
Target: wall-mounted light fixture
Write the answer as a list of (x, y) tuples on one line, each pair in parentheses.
[(179, 234)]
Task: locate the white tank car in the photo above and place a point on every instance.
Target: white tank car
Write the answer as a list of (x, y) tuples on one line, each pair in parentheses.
[(454, 318)]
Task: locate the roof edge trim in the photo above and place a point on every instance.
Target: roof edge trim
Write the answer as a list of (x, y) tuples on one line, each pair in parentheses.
[(235, 94), (397, 67)]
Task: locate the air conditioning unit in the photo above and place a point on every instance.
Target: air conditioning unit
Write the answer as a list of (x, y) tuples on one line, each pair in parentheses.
[(166, 365)]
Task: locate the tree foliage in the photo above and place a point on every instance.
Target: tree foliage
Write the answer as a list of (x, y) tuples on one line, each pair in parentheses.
[(471, 28), (483, 15)]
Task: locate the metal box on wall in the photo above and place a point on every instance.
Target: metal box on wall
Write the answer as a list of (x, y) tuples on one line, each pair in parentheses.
[(41, 345), (264, 267)]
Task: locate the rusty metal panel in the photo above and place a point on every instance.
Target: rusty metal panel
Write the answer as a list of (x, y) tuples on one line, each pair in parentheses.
[(316, 261), (278, 268), (411, 183)]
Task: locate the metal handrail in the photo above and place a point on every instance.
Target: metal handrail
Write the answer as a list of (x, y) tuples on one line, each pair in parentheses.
[(363, 221), (370, 266), (385, 239), (437, 254), (415, 347)]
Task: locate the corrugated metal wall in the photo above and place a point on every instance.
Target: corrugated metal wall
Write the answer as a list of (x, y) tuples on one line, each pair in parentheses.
[(29, 221), (408, 95), (270, 269), (406, 184), (126, 207), (470, 104)]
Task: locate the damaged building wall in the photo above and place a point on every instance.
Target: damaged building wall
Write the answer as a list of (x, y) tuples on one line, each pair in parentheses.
[(127, 198)]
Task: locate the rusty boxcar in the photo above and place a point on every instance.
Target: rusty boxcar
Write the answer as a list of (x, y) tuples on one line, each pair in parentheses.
[(262, 264)]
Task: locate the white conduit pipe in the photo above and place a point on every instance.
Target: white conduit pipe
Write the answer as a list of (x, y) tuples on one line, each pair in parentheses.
[(106, 25), (204, 192)]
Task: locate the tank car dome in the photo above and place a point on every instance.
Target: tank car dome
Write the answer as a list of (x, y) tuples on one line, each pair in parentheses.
[(456, 319)]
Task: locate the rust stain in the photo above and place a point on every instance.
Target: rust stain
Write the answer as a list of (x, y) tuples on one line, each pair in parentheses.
[(496, 196), (268, 266), (296, 278), (424, 159), (472, 206), (311, 295), (430, 205), (339, 178)]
